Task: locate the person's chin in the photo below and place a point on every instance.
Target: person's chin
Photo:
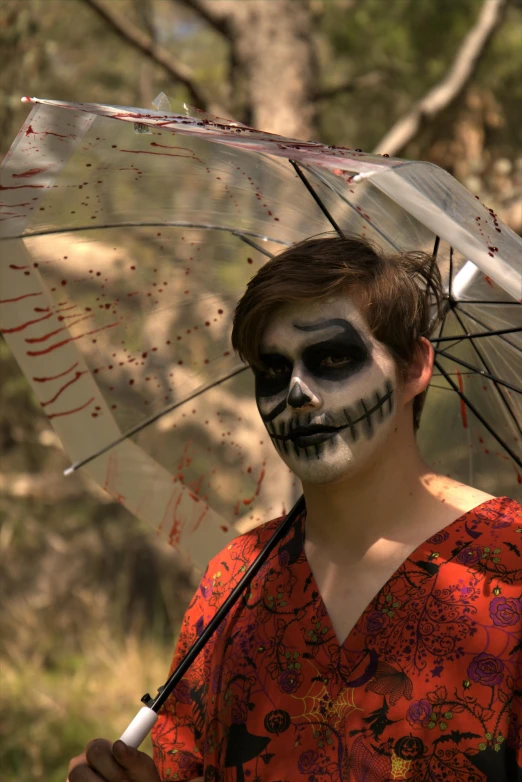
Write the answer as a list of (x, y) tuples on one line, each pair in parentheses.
[(325, 472), (330, 470)]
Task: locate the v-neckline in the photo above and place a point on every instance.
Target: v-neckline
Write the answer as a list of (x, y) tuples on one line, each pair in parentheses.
[(415, 554)]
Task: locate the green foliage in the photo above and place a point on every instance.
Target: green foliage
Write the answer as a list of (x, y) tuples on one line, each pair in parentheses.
[(411, 43)]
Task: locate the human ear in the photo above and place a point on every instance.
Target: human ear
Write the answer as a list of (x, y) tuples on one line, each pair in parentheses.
[(420, 370)]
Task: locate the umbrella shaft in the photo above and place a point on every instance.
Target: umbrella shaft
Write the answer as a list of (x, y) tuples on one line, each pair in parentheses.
[(195, 649)]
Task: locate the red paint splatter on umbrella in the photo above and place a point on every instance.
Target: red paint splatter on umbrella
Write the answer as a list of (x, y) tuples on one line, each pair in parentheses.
[(55, 377), (191, 156), (22, 326), (249, 500), (19, 298), (463, 411), (30, 173), (45, 337), (51, 133), (481, 441), (76, 377), (69, 412), (72, 339), (176, 528)]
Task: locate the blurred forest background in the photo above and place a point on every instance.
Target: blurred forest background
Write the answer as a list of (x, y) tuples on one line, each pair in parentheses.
[(91, 602)]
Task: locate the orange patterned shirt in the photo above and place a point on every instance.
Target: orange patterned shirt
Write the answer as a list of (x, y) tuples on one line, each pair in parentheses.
[(427, 686)]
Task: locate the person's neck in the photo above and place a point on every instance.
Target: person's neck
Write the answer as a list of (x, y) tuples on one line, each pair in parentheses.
[(384, 501)]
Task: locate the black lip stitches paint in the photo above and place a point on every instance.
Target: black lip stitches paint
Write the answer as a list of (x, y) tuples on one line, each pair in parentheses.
[(359, 426)]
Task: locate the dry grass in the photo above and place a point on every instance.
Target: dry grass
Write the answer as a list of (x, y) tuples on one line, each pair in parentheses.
[(49, 715), (91, 604)]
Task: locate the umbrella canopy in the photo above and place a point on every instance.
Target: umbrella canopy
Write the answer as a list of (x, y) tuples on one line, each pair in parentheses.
[(127, 238)]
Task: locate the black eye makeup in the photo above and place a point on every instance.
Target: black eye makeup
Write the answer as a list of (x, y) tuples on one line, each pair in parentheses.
[(274, 375), (334, 359)]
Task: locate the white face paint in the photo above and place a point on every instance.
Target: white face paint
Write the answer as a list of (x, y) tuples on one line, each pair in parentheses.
[(327, 395)]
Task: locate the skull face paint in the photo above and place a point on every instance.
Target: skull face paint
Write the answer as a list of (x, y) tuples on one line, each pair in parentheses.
[(326, 391)]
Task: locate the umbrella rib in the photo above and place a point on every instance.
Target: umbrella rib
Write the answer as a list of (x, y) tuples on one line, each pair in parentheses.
[(480, 417), (433, 262), (477, 371), (478, 335), (484, 362), (451, 274), (441, 329), (352, 207), (173, 223), (316, 198), (454, 374), (450, 281), (150, 420), (255, 246), (484, 325), (485, 301), (441, 388)]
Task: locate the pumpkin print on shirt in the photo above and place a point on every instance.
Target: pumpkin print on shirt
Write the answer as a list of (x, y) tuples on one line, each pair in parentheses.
[(426, 687)]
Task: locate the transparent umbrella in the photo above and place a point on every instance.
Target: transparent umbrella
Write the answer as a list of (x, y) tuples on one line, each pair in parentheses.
[(128, 236)]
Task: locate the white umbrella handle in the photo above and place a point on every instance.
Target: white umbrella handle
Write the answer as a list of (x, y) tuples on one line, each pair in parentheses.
[(139, 728)]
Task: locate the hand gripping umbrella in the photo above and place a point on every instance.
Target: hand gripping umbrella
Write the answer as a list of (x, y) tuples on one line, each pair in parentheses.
[(127, 237)]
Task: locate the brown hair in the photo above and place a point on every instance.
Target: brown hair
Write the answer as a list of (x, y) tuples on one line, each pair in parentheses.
[(401, 294)]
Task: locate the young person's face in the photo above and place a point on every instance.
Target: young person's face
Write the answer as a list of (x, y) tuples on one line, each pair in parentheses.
[(327, 395)]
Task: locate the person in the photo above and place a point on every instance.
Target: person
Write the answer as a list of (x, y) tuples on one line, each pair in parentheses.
[(382, 639)]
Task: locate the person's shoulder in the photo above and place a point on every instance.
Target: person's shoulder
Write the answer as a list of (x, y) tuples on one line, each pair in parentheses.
[(486, 507), (496, 516), (499, 508), (245, 547), (465, 498), (498, 520)]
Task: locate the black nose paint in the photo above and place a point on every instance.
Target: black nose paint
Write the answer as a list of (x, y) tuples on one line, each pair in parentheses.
[(297, 397)]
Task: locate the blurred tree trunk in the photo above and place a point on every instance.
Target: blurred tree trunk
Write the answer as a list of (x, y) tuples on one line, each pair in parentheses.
[(145, 12), (271, 47)]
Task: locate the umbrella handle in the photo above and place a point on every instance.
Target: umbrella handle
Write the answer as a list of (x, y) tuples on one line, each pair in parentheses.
[(139, 728)]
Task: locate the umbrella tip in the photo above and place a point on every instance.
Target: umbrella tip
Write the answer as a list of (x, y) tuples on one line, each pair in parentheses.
[(69, 470), (25, 99)]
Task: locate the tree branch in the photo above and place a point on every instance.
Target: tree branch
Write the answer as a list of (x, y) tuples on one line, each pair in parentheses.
[(219, 23), (452, 85), (364, 81), (132, 35)]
